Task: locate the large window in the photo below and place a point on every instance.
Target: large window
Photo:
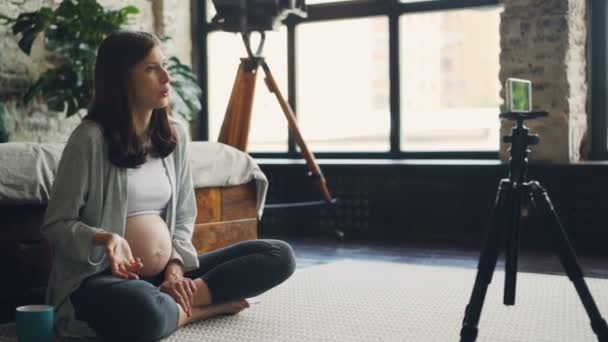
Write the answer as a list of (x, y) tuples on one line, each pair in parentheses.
[(389, 78)]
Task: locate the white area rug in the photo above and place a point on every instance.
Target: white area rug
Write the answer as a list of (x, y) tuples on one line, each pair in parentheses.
[(370, 301)]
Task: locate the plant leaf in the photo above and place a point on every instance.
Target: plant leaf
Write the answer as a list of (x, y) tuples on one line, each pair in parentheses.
[(74, 31), (129, 10), (5, 20), (186, 101)]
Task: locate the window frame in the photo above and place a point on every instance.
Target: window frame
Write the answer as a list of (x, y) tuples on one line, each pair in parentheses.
[(393, 10), (597, 10)]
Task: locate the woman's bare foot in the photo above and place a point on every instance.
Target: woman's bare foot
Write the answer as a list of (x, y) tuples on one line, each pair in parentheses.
[(230, 308), (206, 312), (202, 296)]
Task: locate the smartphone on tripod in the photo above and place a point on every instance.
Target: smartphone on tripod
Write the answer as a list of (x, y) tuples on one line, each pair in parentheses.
[(518, 95)]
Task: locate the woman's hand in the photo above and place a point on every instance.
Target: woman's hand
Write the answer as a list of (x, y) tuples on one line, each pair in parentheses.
[(122, 263), (181, 289)]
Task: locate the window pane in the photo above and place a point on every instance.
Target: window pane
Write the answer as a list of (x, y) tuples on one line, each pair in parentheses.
[(450, 90), (268, 131), (343, 85)]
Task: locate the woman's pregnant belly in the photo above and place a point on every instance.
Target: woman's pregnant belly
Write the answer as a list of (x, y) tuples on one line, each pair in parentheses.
[(149, 239)]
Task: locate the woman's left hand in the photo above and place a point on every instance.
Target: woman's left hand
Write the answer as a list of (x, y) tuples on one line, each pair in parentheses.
[(182, 290)]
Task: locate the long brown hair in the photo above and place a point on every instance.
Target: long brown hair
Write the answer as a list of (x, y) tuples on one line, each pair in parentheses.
[(110, 108)]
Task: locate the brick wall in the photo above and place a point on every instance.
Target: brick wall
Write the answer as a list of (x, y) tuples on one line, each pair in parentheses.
[(545, 41)]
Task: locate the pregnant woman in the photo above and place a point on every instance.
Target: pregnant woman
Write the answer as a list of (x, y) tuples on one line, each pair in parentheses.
[(122, 211)]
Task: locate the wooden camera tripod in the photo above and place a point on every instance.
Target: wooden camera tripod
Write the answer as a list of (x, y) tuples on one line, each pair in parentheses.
[(235, 128)]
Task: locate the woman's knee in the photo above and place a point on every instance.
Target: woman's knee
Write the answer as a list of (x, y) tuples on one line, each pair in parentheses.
[(283, 255)]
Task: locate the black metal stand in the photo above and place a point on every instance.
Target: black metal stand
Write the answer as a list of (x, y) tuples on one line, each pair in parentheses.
[(515, 195)]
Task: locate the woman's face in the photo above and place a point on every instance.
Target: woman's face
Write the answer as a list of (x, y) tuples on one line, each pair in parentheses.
[(149, 82)]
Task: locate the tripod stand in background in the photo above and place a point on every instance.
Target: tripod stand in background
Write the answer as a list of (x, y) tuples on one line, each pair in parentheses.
[(516, 194), (237, 121), (235, 128)]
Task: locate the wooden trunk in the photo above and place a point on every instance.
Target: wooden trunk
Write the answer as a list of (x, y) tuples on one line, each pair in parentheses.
[(226, 215)]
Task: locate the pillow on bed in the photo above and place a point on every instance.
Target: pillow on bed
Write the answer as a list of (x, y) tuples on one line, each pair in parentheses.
[(217, 164), (27, 171)]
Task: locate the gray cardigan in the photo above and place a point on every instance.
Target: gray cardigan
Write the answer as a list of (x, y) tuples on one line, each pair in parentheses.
[(89, 195)]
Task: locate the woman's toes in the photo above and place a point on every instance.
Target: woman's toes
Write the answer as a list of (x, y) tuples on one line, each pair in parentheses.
[(240, 305), (233, 307)]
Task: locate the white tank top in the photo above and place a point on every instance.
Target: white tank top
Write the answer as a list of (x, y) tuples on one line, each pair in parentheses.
[(148, 188)]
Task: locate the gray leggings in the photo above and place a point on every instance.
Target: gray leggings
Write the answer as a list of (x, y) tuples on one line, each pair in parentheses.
[(135, 310)]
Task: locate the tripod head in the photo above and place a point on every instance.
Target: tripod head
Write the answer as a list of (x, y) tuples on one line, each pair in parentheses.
[(520, 140)]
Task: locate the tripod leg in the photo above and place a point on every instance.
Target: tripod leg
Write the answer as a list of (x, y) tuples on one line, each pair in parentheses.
[(487, 262), (237, 120), (314, 168), (512, 243), (336, 232), (567, 257)]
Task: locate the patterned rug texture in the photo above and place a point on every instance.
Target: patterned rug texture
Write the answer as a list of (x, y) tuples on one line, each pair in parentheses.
[(373, 301)]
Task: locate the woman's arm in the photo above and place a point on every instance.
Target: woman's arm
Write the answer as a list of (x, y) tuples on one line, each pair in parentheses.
[(69, 236), (174, 270), (102, 239), (185, 215)]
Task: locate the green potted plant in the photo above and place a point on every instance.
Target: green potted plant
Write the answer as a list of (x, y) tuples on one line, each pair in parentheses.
[(72, 33)]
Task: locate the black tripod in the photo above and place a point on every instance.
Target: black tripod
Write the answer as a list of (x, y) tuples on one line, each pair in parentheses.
[(515, 195)]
